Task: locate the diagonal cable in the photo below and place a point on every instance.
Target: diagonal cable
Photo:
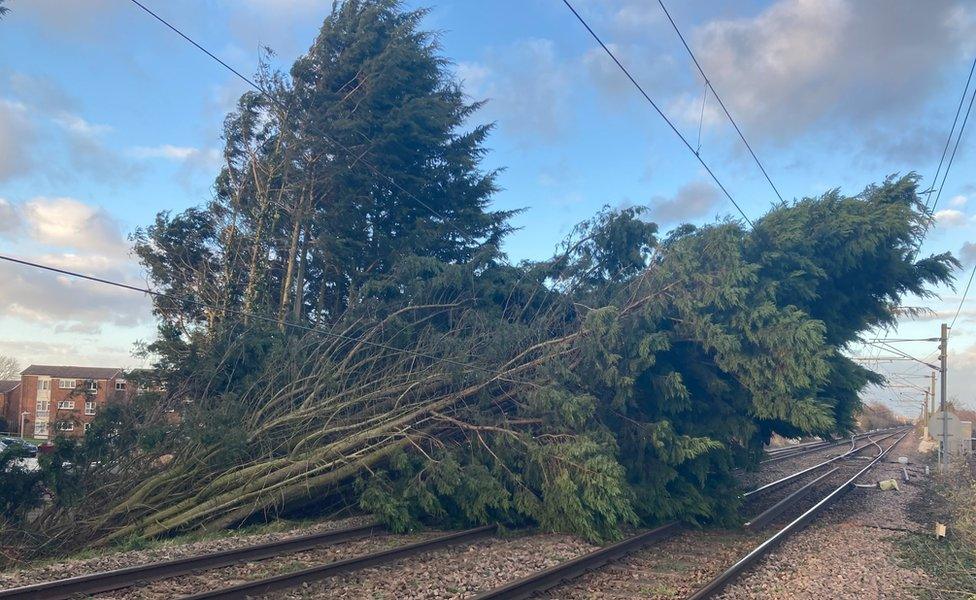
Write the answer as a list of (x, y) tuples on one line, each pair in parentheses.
[(640, 89), (708, 83)]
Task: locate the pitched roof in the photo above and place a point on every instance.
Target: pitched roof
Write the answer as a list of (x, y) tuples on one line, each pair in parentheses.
[(7, 385), (72, 372)]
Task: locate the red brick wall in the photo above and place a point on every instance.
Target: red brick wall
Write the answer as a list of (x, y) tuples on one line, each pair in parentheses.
[(4, 412), (10, 409), (106, 393)]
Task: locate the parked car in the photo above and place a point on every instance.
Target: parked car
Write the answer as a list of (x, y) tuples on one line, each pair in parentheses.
[(12, 442)]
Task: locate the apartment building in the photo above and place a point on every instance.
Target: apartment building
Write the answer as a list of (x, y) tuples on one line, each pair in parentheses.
[(63, 400), (10, 405)]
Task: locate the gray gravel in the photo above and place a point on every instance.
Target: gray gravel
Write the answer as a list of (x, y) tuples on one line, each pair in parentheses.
[(60, 569), (848, 553), (455, 572)]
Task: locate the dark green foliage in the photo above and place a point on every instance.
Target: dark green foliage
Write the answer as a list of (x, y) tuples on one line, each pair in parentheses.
[(20, 489), (618, 383)]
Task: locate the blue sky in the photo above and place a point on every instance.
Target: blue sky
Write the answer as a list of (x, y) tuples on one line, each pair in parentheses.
[(107, 118)]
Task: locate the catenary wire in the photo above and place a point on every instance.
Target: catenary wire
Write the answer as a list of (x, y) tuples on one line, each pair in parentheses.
[(964, 295), (708, 83), (281, 105), (242, 313), (955, 147), (640, 89), (945, 149)]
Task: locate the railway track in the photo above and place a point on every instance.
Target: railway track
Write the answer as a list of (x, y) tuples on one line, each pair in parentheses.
[(794, 488), (789, 452), (745, 550)]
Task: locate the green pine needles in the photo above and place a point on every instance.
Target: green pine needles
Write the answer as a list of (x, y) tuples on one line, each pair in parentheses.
[(617, 384)]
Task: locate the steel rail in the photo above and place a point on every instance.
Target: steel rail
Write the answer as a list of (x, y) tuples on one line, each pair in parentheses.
[(296, 578), (121, 578), (792, 476), (726, 576), (763, 518), (565, 571), (784, 456)]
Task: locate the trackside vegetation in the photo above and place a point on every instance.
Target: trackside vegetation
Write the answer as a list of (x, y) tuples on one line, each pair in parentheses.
[(341, 330)]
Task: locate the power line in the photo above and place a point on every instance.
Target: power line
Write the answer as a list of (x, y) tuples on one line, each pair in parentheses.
[(708, 82), (964, 295), (656, 108), (324, 136), (952, 129), (962, 129), (901, 354), (241, 313)]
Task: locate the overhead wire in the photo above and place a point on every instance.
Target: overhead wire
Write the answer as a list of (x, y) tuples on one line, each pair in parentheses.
[(965, 294), (247, 314), (955, 147), (660, 112), (331, 140), (952, 129), (709, 85)]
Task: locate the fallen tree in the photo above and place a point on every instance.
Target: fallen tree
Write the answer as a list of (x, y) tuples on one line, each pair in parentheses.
[(405, 370)]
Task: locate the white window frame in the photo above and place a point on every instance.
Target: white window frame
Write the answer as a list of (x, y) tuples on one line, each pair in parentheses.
[(120, 385), (87, 426), (65, 426), (43, 407), (43, 384), (89, 407), (66, 404), (40, 428), (91, 385), (67, 384)]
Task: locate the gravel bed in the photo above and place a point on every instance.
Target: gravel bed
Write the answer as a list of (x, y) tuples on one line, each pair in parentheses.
[(670, 569), (455, 572), (213, 579), (849, 551), (71, 567), (773, 471)]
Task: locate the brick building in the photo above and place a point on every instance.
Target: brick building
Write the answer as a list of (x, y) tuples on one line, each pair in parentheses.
[(64, 399), (10, 405)]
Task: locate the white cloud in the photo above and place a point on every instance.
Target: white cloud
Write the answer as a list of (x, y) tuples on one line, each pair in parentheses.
[(950, 217), (66, 222), (37, 296), (166, 151), (804, 66), (967, 254), (957, 201), (41, 102), (17, 140), (192, 158), (10, 219), (527, 87), (693, 200), (77, 125)]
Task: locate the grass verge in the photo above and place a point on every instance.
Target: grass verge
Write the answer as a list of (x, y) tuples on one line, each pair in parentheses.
[(950, 562)]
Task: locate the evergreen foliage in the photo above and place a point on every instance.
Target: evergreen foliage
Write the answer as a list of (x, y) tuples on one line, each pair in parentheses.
[(617, 384)]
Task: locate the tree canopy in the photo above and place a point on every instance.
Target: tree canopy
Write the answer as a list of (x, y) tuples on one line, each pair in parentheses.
[(401, 366)]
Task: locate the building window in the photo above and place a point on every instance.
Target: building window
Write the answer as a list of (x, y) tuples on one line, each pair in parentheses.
[(89, 408), (87, 426), (66, 426), (119, 385), (68, 404), (40, 429), (43, 406), (92, 385), (43, 384), (66, 384)]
